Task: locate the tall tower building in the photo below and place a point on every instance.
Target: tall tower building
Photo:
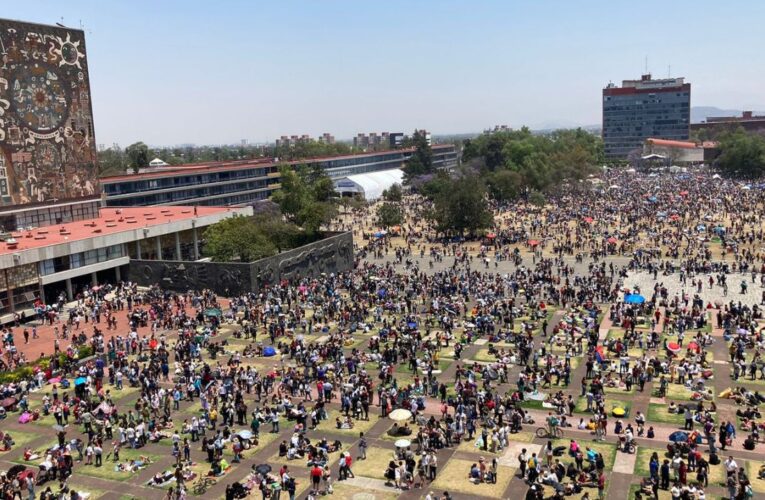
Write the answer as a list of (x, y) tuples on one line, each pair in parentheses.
[(644, 108)]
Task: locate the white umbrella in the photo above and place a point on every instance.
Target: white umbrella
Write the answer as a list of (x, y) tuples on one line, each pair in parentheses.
[(400, 414), (403, 443)]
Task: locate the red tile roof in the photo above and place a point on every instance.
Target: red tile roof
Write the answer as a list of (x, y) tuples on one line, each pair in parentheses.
[(672, 144), (110, 221)]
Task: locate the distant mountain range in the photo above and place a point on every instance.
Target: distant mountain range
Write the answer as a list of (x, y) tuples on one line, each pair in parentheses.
[(701, 113)]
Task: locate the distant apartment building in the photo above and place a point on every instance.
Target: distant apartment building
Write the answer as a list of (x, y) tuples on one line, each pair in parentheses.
[(327, 138), (292, 140), (644, 108), (748, 121), (497, 128)]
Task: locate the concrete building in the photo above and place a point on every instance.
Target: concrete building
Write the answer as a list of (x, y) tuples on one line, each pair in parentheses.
[(245, 182), (673, 152), (644, 108), (55, 238), (717, 124)]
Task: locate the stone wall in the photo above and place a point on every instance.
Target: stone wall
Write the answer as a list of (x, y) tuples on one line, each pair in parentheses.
[(330, 255)]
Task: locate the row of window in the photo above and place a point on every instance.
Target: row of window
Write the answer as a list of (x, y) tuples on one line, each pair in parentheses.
[(184, 180), (80, 259)]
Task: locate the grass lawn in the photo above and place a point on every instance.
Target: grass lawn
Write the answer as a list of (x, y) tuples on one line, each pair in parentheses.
[(752, 469), (619, 390), (581, 406), (118, 394), (264, 439), (107, 470), (375, 464), (358, 425), (606, 449), (483, 355), (643, 460), (660, 413), (442, 365), (94, 493), (454, 478), (674, 391), (21, 439), (615, 333), (344, 490)]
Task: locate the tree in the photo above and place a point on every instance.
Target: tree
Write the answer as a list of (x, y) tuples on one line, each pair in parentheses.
[(742, 154), (393, 193), (421, 161), (111, 161), (307, 197), (237, 238), (138, 154), (504, 185), (389, 214), (461, 205)]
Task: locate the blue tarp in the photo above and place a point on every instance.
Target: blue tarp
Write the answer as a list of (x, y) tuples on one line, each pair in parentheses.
[(634, 298)]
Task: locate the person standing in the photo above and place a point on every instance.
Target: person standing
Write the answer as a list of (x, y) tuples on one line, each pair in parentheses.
[(433, 466), (362, 447), (601, 484)]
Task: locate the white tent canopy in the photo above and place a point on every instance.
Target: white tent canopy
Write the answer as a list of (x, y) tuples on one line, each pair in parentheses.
[(370, 185), (157, 162)]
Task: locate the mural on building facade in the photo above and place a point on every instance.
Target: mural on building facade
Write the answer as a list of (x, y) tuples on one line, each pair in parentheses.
[(47, 146), (331, 255)]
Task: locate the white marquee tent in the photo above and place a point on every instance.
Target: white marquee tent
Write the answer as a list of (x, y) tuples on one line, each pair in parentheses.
[(370, 185)]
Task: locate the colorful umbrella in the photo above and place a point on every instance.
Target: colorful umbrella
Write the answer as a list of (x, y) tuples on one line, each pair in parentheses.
[(400, 414), (612, 240), (533, 243), (673, 347)]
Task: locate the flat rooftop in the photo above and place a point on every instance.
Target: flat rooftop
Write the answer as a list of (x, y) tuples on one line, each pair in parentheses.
[(109, 221)]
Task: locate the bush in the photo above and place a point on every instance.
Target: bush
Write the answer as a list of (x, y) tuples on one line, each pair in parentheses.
[(84, 351)]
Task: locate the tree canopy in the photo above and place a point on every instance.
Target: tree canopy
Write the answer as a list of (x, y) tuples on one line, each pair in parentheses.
[(513, 162), (421, 161), (742, 154), (307, 197), (237, 238), (138, 155), (460, 204), (389, 214)]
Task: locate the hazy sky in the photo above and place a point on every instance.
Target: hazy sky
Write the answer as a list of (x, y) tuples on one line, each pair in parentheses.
[(205, 72)]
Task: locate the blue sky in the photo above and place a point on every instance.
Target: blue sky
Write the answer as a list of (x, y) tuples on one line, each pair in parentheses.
[(187, 71)]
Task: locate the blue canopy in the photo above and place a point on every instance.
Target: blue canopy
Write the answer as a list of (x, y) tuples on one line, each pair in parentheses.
[(634, 298), (269, 351), (678, 436)]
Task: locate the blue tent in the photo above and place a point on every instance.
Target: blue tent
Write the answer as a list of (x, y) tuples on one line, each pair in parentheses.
[(634, 298), (269, 351)]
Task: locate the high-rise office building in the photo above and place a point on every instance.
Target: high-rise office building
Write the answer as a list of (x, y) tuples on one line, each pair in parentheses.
[(644, 108)]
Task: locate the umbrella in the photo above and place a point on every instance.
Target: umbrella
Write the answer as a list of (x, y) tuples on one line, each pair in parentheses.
[(403, 443), (634, 298), (269, 351), (673, 346), (612, 240), (8, 403), (693, 346), (491, 236), (589, 220), (674, 217), (55, 380), (400, 414), (683, 193), (212, 312), (653, 199), (263, 469), (245, 434), (678, 436), (80, 380), (16, 469), (533, 243), (412, 324)]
